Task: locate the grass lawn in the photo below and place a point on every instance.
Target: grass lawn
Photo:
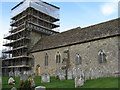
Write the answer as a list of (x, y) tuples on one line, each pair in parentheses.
[(96, 83)]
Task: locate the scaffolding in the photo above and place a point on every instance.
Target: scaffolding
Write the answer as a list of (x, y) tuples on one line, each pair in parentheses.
[(20, 38)]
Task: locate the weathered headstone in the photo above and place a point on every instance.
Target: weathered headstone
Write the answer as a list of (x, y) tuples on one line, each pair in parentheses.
[(24, 77), (13, 88), (45, 78), (33, 75), (57, 74), (62, 74), (69, 75), (40, 88), (17, 73), (61, 77), (79, 81), (74, 72), (32, 82), (92, 74), (25, 72), (10, 73)]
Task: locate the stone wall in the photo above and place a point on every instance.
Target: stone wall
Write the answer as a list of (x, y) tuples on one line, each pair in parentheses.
[(89, 53), (35, 37)]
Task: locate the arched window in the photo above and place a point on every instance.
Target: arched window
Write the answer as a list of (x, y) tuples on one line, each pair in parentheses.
[(58, 58), (46, 59), (102, 56), (78, 59)]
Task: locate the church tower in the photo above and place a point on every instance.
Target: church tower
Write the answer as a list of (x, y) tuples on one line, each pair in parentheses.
[(31, 20)]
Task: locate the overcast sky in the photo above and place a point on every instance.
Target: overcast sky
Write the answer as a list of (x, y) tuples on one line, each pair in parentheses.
[(72, 14)]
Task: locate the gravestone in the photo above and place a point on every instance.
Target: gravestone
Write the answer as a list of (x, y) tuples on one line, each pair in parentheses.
[(33, 75), (10, 73), (13, 88), (69, 75), (25, 72), (40, 88), (32, 82), (62, 74), (79, 81), (17, 73), (74, 72), (21, 76), (45, 78), (24, 77), (99, 74), (78, 72), (95, 73), (57, 73), (92, 74), (61, 77)]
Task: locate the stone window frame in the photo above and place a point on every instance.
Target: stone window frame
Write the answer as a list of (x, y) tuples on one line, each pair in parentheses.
[(46, 59), (58, 58), (102, 56), (78, 59)]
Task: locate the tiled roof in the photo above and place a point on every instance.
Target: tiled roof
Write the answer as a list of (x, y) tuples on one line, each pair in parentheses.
[(78, 35)]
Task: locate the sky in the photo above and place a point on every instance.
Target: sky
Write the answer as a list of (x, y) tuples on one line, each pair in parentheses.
[(72, 14)]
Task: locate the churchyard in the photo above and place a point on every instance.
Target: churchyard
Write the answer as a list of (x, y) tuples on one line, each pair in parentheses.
[(55, 83)]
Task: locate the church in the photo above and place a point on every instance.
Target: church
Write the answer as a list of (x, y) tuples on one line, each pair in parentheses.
[(36, 48), (94, 49)]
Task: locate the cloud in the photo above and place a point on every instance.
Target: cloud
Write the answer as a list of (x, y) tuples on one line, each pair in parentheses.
[(110, 8)]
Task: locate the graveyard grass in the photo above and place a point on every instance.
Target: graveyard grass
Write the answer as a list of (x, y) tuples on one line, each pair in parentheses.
[(96, 83)]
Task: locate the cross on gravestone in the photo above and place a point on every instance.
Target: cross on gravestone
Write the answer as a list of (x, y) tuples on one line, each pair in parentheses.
[(45, 78)]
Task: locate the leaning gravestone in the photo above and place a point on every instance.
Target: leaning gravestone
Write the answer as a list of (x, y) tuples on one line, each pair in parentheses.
[(45, 78), (69, 75)]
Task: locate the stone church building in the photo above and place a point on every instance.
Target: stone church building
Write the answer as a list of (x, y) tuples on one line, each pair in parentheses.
[(35, 46), (94, 49)]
